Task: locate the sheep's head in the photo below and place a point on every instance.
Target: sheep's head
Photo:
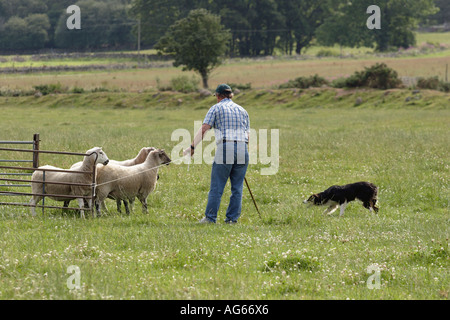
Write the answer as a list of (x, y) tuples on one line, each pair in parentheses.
[(162, 156), (143, 154), (101, 156)]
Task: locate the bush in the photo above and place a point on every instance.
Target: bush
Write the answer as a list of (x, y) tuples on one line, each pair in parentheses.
[(444, 86), (240, 86), (433, 83), (50, 88), (378, 76), (326, 53), (305, 82), (77, 90), (181, 84), (185, 84)]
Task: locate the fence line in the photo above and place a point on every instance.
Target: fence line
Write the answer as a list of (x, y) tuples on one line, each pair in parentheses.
[(35, 161)]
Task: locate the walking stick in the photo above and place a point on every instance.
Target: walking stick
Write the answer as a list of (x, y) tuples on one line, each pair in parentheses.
[(253, 198)]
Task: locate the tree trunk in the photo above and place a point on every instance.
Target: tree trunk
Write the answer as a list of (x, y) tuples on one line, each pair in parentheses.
[(204, 79), (299, 47)]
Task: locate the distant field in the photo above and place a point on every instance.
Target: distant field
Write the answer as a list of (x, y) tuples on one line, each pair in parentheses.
[(261, 73)]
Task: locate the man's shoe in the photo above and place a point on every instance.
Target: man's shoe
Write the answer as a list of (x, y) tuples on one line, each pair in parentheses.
[(205, 220), (230, 222)]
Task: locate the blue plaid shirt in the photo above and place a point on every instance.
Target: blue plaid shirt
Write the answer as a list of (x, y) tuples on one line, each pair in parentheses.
[(229, 120)]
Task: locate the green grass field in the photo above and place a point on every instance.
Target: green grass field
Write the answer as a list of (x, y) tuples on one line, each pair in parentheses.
[(294, 252)]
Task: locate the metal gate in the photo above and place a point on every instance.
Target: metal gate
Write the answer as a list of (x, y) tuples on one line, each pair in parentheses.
[(13, 175)]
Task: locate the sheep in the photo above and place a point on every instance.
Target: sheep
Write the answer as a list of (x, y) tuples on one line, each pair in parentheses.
[(126, 183), (140, 158), (93, 156)]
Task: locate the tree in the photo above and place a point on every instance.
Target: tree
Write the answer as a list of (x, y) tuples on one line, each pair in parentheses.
[(443, 15), (399, 19), (12, 34), (28, 33), (103, 25), (197, 42), (157, 15)]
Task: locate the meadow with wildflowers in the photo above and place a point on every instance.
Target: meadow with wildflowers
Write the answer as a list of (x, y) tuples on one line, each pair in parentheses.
[(293, 252)]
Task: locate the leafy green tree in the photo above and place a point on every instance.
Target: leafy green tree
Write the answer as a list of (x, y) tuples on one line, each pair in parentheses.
[(197, 42), (28, 33), (399, 18), (157, 15), (37, 30), (103, 25), (443, 15), (12, 34)]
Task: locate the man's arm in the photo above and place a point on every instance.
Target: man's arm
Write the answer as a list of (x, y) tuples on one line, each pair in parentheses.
[(197, 139)]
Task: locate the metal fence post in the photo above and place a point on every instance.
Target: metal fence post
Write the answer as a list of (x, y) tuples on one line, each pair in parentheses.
[(36, 149)]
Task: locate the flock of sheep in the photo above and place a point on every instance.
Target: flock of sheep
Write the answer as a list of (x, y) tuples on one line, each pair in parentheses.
[(119, 180)]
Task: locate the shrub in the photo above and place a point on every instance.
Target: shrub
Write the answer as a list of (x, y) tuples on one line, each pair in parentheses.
[(428, 83), (305, 82), (240, 86), (77, 90), (50, 88), (444, 86), (181, 84), (184, 84), (378, 76), (433, 83), (326, 53)]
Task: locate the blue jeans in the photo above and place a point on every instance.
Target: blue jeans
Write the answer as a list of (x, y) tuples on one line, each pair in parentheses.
[(231, 161)]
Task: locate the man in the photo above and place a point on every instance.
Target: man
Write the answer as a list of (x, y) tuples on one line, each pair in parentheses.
[(231, 125)]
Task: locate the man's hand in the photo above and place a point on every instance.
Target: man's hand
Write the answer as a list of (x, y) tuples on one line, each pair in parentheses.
[(188, 151)]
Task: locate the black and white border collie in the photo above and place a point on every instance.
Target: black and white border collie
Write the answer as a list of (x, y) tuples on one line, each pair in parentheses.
[(336, 196)]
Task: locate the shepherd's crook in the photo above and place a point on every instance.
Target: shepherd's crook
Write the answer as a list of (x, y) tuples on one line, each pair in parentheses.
[(251, 194)]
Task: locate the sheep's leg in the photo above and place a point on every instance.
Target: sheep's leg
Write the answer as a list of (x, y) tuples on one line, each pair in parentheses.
[(144, 204), (119, 209), (88, 205), (81, 206), (34, 200), (127, 208), (65, 206), (101, 205), (98, 206)]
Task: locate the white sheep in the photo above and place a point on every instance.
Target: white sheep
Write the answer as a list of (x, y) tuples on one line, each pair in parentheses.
[(140, 158), (126, 183), (92, 158)]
